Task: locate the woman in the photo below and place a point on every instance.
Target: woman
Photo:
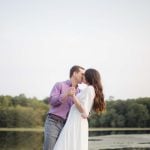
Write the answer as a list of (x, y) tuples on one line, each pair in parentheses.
[(74, 135)]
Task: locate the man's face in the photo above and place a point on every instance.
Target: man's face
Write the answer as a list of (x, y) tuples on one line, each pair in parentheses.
[(79, 75), (84, 81)]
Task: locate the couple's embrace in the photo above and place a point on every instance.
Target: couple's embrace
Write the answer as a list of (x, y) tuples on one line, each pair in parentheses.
[(66, 125)]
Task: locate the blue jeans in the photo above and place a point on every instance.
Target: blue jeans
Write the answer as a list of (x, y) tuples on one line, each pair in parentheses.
[(51, 132)]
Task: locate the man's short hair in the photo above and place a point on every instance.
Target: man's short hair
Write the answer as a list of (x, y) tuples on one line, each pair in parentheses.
[(75, 68)]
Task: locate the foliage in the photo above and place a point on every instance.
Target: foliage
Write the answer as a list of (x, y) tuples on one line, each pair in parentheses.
[(20, 111), (123, 113)]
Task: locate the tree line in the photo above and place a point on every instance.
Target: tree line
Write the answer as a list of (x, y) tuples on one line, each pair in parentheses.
[(20, 111), (123, 113)]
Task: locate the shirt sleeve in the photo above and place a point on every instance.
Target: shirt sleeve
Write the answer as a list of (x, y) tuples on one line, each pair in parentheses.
[(56, 95), (87, 98)]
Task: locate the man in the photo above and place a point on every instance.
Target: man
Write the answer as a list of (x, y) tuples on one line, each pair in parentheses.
[(61, 102)]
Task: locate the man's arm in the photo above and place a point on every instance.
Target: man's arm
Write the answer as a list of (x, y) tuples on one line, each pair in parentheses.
[(57, 97)]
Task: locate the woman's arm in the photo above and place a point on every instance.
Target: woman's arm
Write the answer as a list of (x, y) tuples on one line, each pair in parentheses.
[(79, 107)]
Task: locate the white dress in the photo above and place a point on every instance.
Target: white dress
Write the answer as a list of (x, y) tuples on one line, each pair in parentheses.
[(74, 135)]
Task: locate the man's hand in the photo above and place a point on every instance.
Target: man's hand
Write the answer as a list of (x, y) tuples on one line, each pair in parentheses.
[(71, 91)]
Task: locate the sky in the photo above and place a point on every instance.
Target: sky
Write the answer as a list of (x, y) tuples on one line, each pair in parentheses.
[(41, 40)]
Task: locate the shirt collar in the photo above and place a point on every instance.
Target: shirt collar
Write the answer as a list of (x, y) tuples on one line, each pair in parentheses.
[(69, 83)]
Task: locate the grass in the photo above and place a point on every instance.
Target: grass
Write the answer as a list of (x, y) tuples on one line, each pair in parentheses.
[(41, 129)]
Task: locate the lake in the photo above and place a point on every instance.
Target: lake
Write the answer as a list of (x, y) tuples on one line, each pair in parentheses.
[(29, 140)]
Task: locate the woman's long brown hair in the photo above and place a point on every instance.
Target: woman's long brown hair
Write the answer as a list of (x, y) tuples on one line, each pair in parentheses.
[(92, 76)]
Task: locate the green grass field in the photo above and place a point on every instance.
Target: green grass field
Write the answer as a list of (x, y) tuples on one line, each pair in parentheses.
[(90, 129)]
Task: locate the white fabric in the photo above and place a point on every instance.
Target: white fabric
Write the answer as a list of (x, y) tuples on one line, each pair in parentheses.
[(74, 135)]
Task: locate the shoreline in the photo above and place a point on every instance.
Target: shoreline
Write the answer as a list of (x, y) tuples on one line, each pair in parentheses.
[(40, 129)]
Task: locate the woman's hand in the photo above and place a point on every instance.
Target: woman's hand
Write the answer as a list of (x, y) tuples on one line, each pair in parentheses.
[(84, 115)]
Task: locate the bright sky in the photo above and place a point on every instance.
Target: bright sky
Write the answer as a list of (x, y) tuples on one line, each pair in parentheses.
[(41, 40)]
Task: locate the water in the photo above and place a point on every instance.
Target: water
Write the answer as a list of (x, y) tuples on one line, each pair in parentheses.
[(120, 142), (21, 140), (13, 140)]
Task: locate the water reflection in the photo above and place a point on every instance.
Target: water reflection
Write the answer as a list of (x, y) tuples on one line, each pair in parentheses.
[(98, 133), (21, 140), (129, 148), (119, 141), (34, 140)]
